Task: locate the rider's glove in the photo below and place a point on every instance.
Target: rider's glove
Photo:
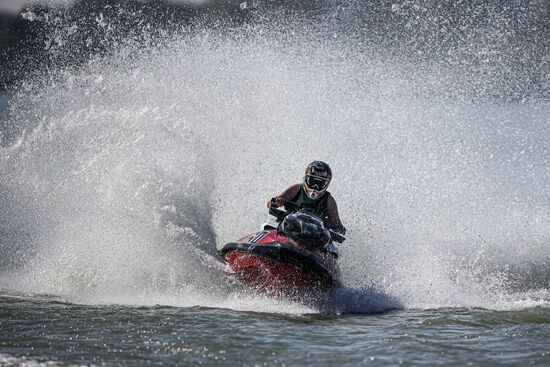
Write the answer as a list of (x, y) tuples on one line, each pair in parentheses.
[(277, 202)]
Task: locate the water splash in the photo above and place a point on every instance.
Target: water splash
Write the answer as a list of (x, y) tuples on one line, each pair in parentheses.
[(121, 176)]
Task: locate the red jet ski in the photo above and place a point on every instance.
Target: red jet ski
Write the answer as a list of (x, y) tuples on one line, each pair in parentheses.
[(295, 255)]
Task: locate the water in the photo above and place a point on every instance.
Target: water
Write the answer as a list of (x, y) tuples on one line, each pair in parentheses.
[(67, 334), (121, 176)]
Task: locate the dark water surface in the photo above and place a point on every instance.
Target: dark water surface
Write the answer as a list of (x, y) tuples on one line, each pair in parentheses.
[(36, 330)]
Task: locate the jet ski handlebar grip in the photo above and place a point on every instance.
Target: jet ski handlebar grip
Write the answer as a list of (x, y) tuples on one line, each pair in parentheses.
[(278, 213), (336, 237), (290, 206)]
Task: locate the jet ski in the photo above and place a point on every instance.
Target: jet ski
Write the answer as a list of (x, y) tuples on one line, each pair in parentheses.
[(297, 253)]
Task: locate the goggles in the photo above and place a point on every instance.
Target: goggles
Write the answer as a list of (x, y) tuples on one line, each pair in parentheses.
[(316, 182)]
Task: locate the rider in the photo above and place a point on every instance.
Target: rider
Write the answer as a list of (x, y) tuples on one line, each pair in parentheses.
[(312, 193)]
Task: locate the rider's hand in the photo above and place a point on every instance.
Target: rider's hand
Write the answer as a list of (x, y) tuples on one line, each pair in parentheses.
[(276, 202)]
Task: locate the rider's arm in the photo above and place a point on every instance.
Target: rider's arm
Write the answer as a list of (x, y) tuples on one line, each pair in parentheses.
[(334, 222), (287, 195)]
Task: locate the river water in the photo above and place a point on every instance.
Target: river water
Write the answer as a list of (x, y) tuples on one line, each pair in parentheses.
[(44, 331), (121, 176)]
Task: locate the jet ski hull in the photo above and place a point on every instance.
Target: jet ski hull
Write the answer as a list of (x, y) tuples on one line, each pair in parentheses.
[(271, 262)]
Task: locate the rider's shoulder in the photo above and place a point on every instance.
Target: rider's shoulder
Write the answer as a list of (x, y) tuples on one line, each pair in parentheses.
[(291, 191), (294, 187)]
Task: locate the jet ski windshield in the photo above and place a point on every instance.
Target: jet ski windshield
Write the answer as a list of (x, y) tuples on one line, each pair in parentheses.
[(306, 229)]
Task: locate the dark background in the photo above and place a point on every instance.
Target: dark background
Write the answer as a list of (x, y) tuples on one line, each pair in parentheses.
[(511, 38), (24, 40)]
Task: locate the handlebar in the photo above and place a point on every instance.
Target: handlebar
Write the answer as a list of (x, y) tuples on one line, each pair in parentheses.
[(290, 207)]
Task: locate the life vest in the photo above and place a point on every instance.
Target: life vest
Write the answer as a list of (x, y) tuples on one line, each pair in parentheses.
[(319, 205)]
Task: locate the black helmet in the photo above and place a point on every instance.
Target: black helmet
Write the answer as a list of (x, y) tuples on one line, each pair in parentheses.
[(317, 179)]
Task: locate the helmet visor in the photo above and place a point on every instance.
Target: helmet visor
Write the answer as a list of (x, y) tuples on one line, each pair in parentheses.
[(316, 183)]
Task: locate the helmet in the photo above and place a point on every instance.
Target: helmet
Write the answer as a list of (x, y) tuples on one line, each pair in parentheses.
[(317, 179)]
